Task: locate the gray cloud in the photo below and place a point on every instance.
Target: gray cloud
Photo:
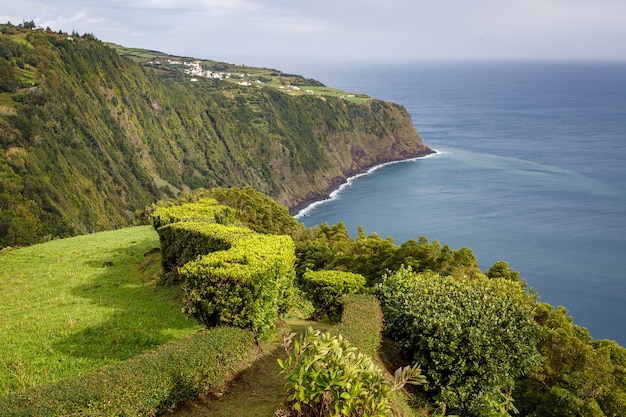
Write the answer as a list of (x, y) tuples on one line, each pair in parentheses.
[(265, 31)]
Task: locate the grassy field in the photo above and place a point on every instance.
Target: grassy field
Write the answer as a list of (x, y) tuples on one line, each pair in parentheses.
[(270, 77), (72, 305)]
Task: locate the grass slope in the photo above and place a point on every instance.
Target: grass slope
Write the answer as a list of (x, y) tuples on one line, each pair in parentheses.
[(72, 305)]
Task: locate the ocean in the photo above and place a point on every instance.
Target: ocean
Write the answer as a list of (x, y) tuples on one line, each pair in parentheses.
[(530, 169)]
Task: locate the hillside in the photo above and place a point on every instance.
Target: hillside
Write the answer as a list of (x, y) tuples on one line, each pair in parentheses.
[(91, 132), (91, 325)]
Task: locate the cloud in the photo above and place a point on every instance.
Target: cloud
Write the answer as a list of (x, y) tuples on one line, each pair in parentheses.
[(347, 29), (80, 19)]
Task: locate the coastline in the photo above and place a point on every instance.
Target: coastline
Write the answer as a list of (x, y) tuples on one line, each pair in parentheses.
[(302, 208)]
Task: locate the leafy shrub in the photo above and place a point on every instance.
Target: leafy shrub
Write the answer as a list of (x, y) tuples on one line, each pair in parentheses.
[(185, 241), (205, 209), (146, 385), (577, 375), (327, 376), (325, 289), (256, 210), (472, 337), (361, 322), (246, 286), (300, 307)]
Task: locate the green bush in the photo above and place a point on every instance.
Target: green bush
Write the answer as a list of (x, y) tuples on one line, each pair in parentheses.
[(146, 385), (185, 241), (206, 209), (248, 286), (473, 337), (325, 289), (361, 322), (577, 375), (326, 376), (256, 210), (300, 307)]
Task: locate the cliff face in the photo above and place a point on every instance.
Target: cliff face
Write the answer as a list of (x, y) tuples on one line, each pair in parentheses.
[(338, 139), (88, 136)]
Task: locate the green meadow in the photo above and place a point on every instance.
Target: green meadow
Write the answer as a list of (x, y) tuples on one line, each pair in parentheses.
[(72, 305)]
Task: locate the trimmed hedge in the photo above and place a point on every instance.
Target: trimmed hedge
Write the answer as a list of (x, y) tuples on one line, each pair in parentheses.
[(207, 209), (361, 322), (146, 385), (326, 287), (247, 285), (186, 241), (256, 210)]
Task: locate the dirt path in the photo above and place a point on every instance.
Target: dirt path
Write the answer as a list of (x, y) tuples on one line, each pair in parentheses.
[(256, 392)]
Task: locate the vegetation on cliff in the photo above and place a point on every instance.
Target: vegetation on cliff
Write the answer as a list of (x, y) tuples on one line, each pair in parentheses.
[(483, 341), (89, 133)]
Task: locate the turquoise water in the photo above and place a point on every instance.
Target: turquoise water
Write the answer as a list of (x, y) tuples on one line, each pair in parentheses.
[(530, 169)]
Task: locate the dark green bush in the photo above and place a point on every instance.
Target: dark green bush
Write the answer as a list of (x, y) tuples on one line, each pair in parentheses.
[(361, 322), (472, 337), (146, 385), (577, 376), (325, 289)]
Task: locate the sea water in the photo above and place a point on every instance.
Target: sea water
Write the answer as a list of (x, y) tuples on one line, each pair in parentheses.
[(530, 169)]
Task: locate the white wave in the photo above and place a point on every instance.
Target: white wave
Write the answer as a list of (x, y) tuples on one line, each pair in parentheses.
[(336, 194)]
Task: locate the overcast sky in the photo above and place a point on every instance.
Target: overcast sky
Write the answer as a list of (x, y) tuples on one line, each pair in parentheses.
[(276, 33)]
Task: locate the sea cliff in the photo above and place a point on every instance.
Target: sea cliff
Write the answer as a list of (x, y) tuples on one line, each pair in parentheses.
[(90, 133)]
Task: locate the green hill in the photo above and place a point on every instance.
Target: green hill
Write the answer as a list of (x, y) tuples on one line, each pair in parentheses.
[(92, 132)]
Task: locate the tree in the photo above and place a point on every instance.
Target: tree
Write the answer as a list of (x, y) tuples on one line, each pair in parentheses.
[(8, 83), (320, 246), (501, 269), (577, 376), (370, 256)]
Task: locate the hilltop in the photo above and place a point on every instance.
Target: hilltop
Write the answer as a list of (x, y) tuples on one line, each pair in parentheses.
[(91, 132)]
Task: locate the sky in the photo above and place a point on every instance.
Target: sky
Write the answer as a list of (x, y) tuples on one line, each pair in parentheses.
[(279, 33)]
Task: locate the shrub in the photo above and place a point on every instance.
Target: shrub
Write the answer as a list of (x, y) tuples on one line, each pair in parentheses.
[(256, 210), (327, 376), (361, 322), (577, 375), (246, 286), (472, 337), (146, 385), (185, 241), (300, 306), (206, 209), (325, 289)]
